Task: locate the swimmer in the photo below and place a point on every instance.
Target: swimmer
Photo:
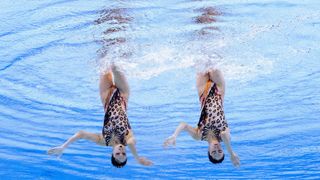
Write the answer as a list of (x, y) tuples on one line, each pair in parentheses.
[(212, 126), (116, 131)]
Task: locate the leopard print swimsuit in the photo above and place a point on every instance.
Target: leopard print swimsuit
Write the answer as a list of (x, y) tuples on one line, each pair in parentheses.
[(212, 117), (116, 124)]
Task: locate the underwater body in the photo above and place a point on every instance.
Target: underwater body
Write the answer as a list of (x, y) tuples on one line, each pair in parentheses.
[(52, 53)]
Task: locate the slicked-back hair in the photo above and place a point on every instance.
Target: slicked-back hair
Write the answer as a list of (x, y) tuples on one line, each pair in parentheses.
[(117, 163), (214, 161)]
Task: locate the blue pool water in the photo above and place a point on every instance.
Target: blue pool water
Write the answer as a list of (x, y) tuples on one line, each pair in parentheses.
[(52, 52)]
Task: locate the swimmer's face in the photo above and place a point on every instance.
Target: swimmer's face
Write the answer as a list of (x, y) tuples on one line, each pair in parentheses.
[(216, 151), (119, 153)]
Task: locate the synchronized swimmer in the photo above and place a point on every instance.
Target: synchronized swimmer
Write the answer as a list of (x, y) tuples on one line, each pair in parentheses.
[(116, 132), (212, 126)]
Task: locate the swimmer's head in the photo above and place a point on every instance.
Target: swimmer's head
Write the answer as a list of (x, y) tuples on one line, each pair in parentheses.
[(119, 157), (215, 153)]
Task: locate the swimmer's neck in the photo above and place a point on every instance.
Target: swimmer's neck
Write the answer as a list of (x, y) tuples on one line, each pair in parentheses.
[(114, 141), (213, 140)]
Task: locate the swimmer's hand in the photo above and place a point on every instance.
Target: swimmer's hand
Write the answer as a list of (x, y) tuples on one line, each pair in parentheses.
[(144, 161), (58, 151), (170, 141), (235, 160)]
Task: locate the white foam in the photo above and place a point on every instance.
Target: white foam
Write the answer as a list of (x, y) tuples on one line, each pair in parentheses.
[(155, 62)]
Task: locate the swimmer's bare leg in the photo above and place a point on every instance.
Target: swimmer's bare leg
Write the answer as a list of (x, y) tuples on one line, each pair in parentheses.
[(217, 77), (106, 82), (120, 81), (202, 79)]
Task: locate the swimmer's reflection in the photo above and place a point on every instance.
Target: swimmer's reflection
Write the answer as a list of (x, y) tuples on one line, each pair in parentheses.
[(208, 16), (117, 20)]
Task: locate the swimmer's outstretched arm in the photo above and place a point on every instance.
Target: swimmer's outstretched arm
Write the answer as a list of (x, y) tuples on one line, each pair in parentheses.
[(97, 138), (142, 160), (225, 136), (182, 127)]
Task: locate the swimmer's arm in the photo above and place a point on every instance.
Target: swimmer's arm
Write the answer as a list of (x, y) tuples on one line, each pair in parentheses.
[(97, 138), (225, 136), (142, 160), (182, 127)]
